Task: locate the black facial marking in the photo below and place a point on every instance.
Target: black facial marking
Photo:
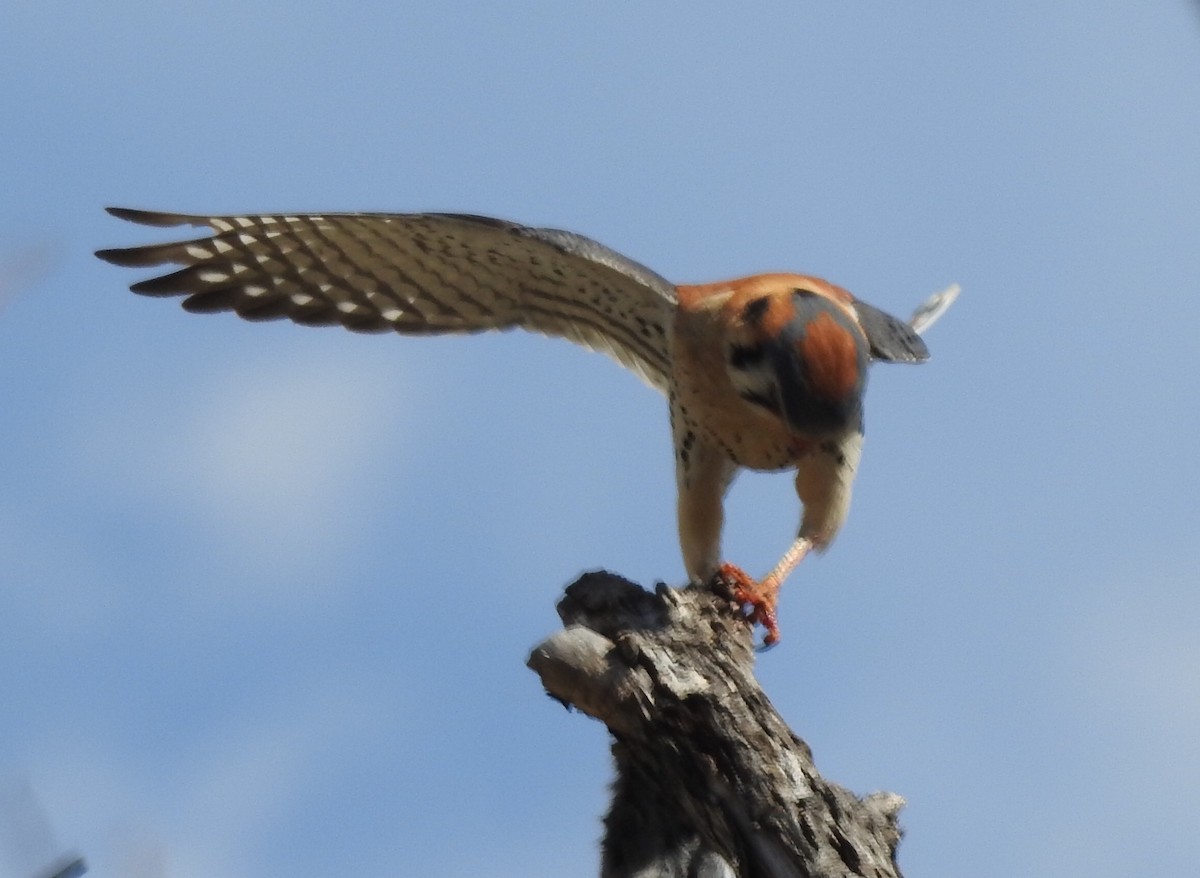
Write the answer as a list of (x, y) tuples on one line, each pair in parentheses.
[(753, 311), (746, 356), (803, 293), (770, 403)]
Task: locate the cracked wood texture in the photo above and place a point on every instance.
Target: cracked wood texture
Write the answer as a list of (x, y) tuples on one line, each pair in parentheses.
[(710, 781)]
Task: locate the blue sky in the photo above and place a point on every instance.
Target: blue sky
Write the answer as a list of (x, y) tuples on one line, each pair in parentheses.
[(266, 592)]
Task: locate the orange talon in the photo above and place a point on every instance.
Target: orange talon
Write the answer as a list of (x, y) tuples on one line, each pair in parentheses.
[(758, 599)]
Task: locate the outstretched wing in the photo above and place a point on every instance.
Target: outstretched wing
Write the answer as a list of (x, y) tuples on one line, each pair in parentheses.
[(421, 273)]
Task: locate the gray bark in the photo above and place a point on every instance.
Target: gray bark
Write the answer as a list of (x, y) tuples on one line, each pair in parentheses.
[(710, 781)]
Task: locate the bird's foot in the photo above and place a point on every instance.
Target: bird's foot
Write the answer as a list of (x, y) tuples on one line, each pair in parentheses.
[(757, 597)]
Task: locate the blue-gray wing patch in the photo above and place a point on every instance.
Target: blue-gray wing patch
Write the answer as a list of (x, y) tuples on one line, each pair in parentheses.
[(891, 339)]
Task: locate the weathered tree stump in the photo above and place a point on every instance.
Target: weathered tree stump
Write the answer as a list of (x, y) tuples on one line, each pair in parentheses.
[(710, 781)]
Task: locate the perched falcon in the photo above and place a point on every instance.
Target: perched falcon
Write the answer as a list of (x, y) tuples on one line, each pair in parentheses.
[(765, 372)]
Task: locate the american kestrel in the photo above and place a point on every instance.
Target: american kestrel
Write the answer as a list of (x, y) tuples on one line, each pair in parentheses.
[(765, 372)]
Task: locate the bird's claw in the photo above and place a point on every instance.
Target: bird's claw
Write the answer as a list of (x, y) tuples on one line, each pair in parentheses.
[(757, 599)]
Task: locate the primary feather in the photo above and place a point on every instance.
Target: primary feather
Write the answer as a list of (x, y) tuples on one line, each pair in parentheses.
[(421, 273)]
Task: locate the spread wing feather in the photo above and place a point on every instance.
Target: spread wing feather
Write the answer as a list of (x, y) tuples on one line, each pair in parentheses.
[(423, 273)]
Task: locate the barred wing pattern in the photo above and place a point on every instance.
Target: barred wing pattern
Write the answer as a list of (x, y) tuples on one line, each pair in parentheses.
[(418, 274)]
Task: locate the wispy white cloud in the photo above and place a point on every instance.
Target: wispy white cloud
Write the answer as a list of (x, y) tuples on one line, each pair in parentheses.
[(277, 453), (266, 458)]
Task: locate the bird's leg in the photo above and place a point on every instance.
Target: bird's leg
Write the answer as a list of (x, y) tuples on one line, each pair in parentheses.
[(760, 597)]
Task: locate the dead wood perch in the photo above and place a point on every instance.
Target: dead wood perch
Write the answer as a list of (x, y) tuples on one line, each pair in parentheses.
[(710, 781)]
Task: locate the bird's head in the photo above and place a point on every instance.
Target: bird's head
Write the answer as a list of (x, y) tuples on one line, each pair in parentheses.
[(798, 352)]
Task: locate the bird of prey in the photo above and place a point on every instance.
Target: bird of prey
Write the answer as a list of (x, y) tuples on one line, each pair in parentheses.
[(765, 372)]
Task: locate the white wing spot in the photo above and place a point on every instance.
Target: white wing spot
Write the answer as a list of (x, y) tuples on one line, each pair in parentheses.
[(198, 252), (392, 314), (221, 246), (212, 276), (347, 307), (254, 290), (247, 223), (246, 239), (302, 299)]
